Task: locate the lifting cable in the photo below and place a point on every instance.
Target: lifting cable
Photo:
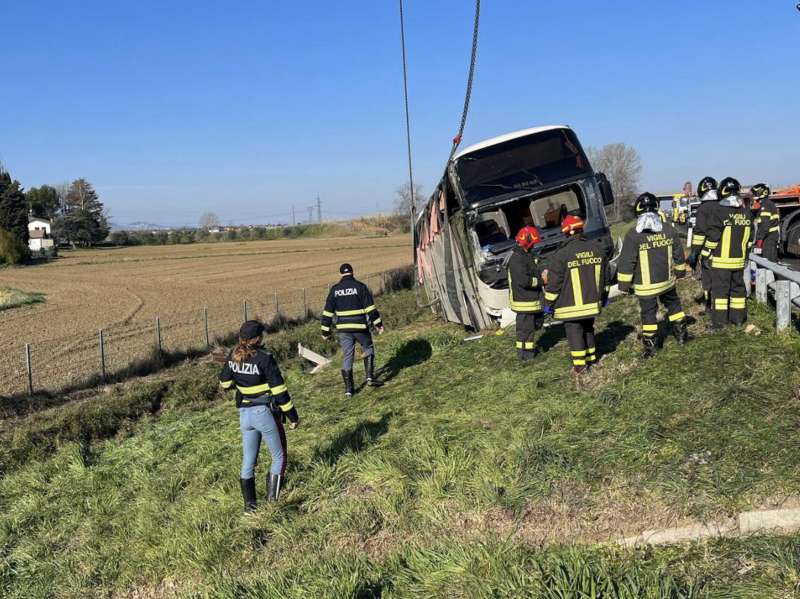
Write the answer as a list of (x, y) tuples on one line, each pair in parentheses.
[(468, 94), (408, 126)]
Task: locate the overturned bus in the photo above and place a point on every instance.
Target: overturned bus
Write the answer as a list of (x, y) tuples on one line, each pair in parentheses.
[(464, 234)]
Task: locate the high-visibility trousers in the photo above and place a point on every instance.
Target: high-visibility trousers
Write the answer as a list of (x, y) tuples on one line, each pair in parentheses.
[(527, 325), (649, 309), (580, 337), (729, 297), (770, 249)]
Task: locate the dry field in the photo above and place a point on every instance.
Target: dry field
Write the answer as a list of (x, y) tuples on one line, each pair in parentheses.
[(122, 290)]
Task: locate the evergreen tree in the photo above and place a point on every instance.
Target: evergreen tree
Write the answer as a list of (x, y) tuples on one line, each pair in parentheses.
[(43, 201), (13, 209), (83, 220)]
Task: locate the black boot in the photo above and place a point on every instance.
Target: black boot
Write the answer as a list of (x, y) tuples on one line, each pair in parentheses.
[(347, 377), (248, 493), (680, 332), (274, 482), (369, 368), (650, 344), (521, 354)]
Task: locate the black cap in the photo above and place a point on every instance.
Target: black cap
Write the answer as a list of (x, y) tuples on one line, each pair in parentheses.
[(345, 269), (251, 329)]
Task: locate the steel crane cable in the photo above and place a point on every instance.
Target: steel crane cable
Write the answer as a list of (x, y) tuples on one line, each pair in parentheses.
[(408, 119), (468, 94)]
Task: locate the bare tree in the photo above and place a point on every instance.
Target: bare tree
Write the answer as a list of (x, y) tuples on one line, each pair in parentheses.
[(622, 165), (209, 220), (402, 202)]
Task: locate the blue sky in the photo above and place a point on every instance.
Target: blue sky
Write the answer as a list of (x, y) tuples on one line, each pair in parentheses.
[(248, 108)]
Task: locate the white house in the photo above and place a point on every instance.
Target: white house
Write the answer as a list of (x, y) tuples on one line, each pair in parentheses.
[(39, 237)]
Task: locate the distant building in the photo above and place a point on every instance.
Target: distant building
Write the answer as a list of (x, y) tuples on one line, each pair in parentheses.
[(39, 236)]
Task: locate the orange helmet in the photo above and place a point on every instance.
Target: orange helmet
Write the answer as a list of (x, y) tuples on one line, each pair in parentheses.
[(528, 237), (571, 224)]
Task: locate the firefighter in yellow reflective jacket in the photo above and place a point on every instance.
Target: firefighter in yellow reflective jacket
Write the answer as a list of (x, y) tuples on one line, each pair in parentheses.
[(768, 221), (707, 191), (728, 242), (651, 260), (576, 288), (525, 290)]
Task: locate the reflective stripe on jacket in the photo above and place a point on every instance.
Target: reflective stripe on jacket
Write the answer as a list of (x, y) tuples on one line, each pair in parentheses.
[(351, 304), (577, 279), (649, 260), (728, 236), (524, 281), (258, 381), (768, 220)]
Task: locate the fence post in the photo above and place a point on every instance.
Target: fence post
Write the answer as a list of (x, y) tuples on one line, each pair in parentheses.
[(305, 303), (783, 304), (277, 305), (244, 309), (158, 334), (205, 326), (29, 368), (761, 285), (102, 356), (383, 282)]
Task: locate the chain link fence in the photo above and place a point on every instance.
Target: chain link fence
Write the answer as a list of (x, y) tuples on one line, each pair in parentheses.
[(67, 363)]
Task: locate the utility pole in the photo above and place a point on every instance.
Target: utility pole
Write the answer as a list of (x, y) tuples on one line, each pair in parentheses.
[(319, 210), (293, 219)]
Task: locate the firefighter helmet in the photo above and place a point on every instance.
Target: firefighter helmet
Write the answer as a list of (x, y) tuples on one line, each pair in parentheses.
[(706, 184), (646, 202), (729, 187), (760, 191), (528, 237), (571, 224)]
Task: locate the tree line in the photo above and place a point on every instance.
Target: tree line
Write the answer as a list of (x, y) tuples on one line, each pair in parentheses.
[(76, 215)]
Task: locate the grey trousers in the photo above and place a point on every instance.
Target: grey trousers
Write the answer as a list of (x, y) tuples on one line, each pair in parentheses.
[(348, 343)]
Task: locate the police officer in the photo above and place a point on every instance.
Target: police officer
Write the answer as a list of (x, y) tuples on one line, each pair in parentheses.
[(707, 190), (728, 242), (263, 402), (350, 302), (525, 290), (768, 221), (576, 287), (651, 260)]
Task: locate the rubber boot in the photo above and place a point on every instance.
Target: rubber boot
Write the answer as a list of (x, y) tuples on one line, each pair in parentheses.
[(248, 493), (650, 344), (680, 332), (274, 482), (521, 354), (347, 377), (369, 368)]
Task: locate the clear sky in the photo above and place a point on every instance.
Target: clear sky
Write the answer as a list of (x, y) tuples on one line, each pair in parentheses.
[(248, 108)]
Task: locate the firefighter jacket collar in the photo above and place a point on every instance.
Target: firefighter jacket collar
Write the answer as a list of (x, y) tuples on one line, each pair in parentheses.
[(733, 201)]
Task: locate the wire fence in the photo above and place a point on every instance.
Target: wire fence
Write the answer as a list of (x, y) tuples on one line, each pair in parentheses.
[(61, 364)]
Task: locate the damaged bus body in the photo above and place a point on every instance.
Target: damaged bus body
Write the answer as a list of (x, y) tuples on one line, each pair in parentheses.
[(465, 233)]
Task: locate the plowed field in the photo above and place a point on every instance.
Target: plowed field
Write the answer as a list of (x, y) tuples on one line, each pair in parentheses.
[(123, 290)]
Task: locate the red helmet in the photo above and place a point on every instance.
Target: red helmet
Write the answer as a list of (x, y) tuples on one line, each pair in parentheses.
[(528, 237), (571, 224)]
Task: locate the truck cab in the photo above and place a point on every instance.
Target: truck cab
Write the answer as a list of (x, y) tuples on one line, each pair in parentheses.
[(493, 188)]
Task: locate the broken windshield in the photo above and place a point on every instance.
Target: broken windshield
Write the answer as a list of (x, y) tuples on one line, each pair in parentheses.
[(522, 164)]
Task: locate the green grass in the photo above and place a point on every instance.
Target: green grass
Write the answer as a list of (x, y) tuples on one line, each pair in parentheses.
[(619, 229), (14, 298), (467, 475)]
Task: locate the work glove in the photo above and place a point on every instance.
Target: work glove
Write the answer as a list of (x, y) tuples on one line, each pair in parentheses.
[(294, 425), (326, 337), (548, 309), (380, 329), (693, 256), (624, 287)]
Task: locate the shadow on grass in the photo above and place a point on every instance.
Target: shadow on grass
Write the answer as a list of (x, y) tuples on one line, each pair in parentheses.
[(362, 435), (612, 335), (411, 353)]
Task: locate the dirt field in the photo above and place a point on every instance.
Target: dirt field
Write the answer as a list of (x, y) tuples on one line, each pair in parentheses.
[(122, 290)]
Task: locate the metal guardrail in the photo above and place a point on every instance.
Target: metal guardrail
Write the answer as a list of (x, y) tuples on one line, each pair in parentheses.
[(783, 282)]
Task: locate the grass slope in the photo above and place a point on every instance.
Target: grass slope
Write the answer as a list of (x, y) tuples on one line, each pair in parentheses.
[(14, 298), (467, 475)]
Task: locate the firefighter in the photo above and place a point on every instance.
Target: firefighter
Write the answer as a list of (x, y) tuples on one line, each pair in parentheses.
[(768, 222), (707, 191), (350, 302), (576, 288), (263, 402), (728, 232), (525, 290), (651, 260)]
